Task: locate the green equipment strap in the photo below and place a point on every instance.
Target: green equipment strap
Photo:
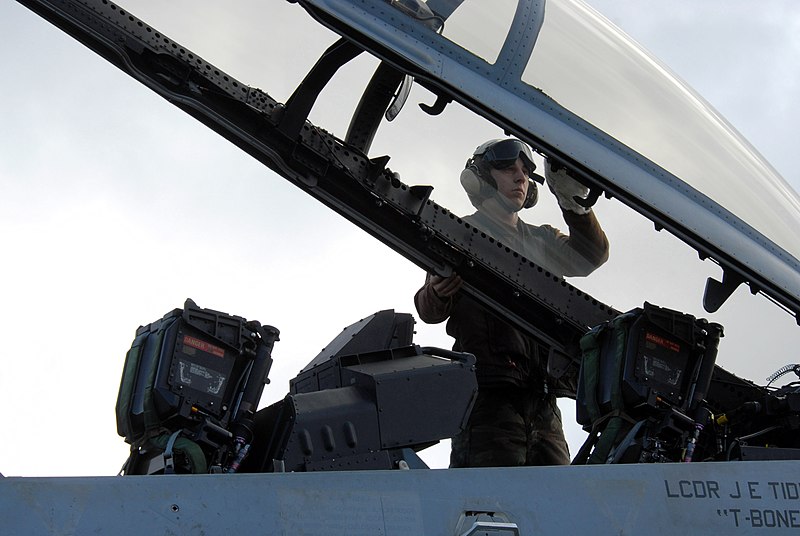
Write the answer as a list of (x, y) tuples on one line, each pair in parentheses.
[(590, 351), (171, 443), (607, 341)]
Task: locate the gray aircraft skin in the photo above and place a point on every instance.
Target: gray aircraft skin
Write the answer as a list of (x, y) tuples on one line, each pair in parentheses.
[(525, 83)]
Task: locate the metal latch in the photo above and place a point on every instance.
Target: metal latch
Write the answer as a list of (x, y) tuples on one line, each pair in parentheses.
[(486, 524)]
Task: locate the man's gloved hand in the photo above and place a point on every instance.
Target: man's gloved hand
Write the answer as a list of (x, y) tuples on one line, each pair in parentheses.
[(565, 188), (445, 287)]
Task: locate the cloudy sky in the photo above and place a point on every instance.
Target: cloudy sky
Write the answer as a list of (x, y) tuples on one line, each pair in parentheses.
[(115, 207)]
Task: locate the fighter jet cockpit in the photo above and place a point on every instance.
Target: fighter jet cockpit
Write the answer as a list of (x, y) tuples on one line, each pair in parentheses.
[(249, 247), (392, 114)]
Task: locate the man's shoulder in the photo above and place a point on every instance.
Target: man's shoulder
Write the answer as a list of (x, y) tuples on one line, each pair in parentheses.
[(541, 230)]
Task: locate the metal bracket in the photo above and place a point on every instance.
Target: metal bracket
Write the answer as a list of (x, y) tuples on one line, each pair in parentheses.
[(486, 524), (589, 200), (377, 166), (438, 106), (375, 103), (169, 463), (718, 292), (302, 100), (490, 528)]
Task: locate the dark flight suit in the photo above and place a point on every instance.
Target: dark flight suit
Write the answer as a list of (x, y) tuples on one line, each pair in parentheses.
[(515, 420)]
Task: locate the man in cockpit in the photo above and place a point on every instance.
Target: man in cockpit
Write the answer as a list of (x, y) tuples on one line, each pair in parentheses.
[(515, 420)]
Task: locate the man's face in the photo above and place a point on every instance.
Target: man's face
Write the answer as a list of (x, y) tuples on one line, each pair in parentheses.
[(512, 182)]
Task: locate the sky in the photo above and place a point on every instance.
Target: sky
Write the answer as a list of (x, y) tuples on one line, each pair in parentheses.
[(115, 207)]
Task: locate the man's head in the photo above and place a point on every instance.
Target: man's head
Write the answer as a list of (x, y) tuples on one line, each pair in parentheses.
[(502, 170)]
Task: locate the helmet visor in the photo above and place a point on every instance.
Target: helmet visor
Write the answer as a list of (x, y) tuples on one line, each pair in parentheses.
[(504, 153)]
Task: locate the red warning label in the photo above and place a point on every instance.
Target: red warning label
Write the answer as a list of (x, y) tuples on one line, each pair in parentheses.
[(664, 343), (203, 346)]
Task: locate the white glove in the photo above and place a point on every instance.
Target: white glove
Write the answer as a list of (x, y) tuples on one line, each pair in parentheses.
[(565, 188)]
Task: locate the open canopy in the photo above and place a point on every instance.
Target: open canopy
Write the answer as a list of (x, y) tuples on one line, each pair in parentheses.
[(558, 75), (210, 59)]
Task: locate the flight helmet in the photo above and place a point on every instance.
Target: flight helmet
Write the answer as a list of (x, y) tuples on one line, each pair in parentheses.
[(477, 179)]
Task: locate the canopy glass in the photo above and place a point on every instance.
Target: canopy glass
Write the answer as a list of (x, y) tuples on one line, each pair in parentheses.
[(590, 67)]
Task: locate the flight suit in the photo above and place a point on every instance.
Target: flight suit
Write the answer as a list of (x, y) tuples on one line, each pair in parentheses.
[(515, 420)]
